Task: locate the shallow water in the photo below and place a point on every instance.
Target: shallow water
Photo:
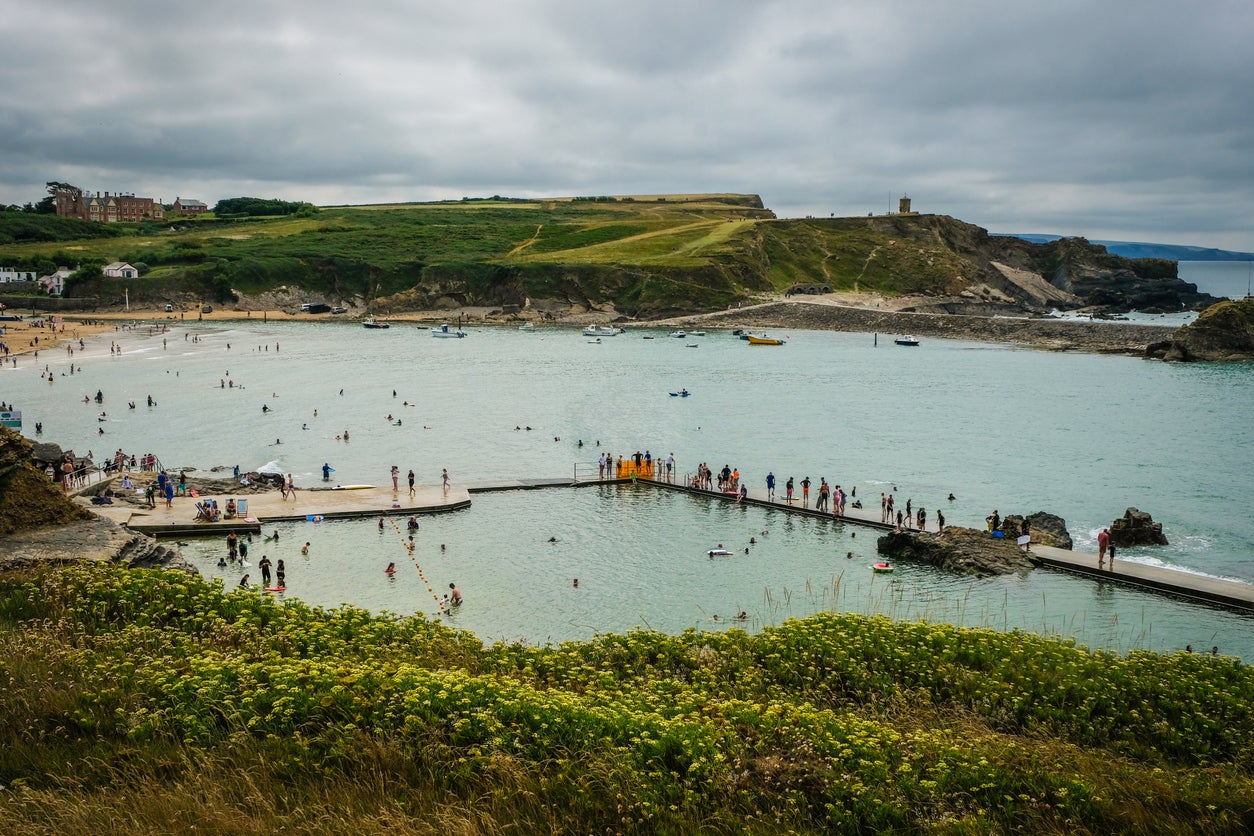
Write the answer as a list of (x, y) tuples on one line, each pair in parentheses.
[(1082, 436)]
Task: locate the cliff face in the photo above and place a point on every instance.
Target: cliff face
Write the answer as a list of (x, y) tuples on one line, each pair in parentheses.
[(1222, 332), (969, 270)]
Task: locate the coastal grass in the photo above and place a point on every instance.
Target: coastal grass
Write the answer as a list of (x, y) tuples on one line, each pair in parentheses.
[(145, 700)]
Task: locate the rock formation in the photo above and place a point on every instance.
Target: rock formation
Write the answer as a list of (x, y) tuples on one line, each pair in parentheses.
[(1136, 528), (1047, 529), (39, 524), (1222, 332), (963, 550)]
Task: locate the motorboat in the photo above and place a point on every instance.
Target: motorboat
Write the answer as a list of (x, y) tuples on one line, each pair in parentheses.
[(602, 331), (697, 334), (527, 326), (371, 322), (679, 335), (907, 339), (763, 340), (445, 332)]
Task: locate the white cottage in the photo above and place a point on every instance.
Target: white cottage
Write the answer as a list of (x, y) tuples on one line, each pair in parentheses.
[(121, 270)]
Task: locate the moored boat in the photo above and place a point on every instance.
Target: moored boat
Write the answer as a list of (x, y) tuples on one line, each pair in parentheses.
[(907, 339), (763, 340), (371, 322), (679, 335), (602, 331), (527, 326), (446, 332)]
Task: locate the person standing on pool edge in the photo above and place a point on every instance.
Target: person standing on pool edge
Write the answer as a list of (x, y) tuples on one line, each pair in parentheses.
[(1103, 543)]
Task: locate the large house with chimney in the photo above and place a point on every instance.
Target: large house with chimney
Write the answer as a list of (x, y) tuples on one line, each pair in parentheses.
[(107, 208)]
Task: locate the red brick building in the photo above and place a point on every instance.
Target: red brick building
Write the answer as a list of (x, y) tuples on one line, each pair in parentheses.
[(107, 208)]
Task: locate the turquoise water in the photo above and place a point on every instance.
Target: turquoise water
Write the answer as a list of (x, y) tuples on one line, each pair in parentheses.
[(1018, 430)]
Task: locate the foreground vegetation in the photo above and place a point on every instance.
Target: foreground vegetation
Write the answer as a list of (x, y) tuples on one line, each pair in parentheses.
[(150, 701)]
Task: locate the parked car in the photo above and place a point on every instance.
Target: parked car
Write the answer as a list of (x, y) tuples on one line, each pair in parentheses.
[(338, 309)]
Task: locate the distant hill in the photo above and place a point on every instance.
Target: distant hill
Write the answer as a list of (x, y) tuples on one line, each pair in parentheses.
[(1136, 249)]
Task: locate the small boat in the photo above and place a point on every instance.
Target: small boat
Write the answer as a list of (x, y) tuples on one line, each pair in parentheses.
[(602, 331), (527, 326), (679, 335), (682, 393), (763, 340), (647, 337), (694, 345), (697, 334), (445, 332), (597, 341), (371, 322), (882, 568), (907, 339)]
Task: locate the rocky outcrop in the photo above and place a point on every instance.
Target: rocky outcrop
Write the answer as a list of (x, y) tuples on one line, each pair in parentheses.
[(1222, 332), (40, 525), (1136, 528), (94, 540), (28, 498), (1047, 529), (962, 550)]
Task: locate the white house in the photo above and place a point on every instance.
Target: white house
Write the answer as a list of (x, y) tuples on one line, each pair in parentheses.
[(54, 283), (121, 270), (8, 275)]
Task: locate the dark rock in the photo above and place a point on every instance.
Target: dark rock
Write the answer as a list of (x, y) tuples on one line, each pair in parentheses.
[(1222, 332), (963, 550), (1047, 529), (1136, 528)]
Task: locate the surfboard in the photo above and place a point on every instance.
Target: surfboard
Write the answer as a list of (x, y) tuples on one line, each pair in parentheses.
[(352, 487), (276, 588), (713, 552)]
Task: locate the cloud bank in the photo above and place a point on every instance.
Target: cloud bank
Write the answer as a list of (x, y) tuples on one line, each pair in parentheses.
[(1114, 120)]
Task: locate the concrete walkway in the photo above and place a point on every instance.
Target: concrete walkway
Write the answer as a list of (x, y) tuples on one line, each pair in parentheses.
[(268, 507), (1228, 593)]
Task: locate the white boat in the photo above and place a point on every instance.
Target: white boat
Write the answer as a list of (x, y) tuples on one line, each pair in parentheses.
[(679, 335), (907, 339), (527, 326), (445, 332), (602, 331), (371, 322)]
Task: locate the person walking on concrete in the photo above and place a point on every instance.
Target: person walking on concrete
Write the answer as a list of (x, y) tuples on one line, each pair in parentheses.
[(1103, 543)]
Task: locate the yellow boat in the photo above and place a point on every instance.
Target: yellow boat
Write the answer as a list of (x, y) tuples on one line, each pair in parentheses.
[(764, 341)]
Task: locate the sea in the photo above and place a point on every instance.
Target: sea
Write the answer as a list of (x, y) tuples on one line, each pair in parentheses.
[(1000, 427)]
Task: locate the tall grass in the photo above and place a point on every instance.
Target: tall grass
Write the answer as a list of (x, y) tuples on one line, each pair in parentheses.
[(146, 700)]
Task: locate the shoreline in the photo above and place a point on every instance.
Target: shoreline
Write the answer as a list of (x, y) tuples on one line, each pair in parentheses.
[(859, 313)]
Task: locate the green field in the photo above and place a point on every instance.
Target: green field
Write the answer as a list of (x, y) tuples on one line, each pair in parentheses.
[(647, 255)]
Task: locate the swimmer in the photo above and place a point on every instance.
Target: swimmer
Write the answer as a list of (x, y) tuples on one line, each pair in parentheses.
[(849, 555), (576, 583), (305, 548), (552, 539), (391, 570)]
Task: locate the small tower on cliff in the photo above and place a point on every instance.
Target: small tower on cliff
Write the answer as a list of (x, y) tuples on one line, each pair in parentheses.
[(903, 205)]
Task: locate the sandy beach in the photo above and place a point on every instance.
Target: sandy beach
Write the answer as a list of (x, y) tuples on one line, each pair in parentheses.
[(838, 311)]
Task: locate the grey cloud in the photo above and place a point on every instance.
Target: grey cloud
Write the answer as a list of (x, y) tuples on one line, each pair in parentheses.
[(1112, 119)]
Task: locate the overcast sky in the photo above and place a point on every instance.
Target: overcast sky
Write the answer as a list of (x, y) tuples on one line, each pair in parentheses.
[(1109, 119)]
